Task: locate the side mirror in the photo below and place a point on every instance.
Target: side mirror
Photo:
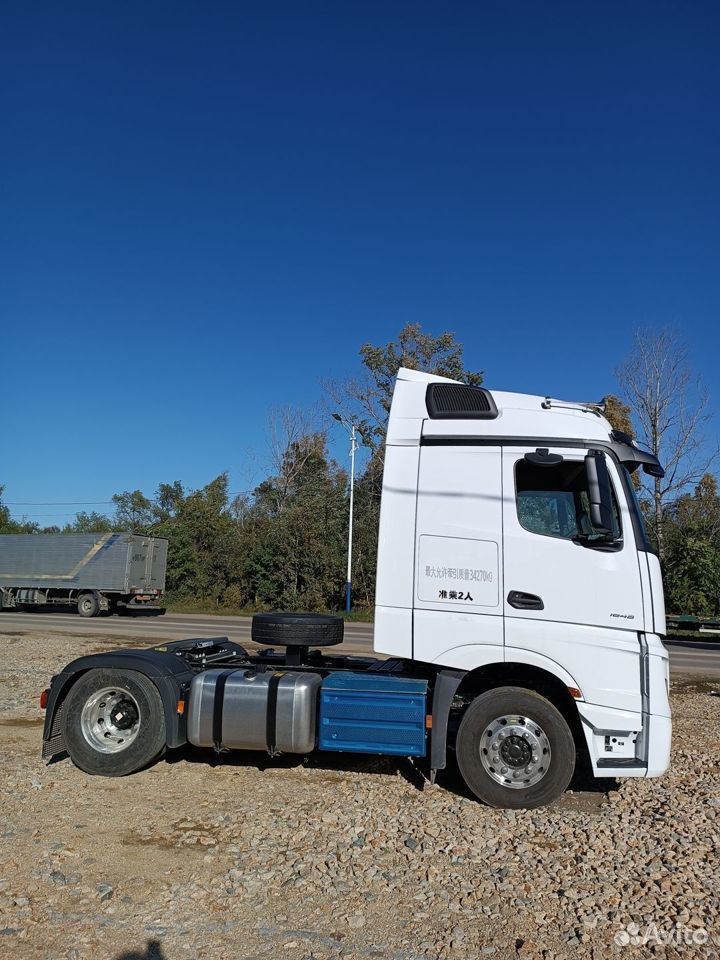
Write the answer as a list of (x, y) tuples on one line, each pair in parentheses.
[(600, 492)]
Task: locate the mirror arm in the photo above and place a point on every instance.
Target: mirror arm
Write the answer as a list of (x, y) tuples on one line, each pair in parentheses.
[(608, 544)]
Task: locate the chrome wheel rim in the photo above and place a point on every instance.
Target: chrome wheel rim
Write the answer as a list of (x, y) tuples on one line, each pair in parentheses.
[(515, 751), (110, 720)]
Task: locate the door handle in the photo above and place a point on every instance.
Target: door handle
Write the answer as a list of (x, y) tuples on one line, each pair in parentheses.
[(524, 601)]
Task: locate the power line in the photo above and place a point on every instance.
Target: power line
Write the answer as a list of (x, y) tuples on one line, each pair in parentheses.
[(45, 515), (91, 503), (60, 503)]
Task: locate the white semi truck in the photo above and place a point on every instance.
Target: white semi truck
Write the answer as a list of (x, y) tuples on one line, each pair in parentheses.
[(519, 607)]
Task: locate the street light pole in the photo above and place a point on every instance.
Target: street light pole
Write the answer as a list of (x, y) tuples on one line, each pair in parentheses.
[(348, 584), (353, 447)]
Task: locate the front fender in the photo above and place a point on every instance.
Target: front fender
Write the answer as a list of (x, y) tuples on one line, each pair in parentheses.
[(533, 659), (470, 656), (473, 655)]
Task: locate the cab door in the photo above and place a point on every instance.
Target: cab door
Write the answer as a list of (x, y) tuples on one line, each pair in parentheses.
[(570, 596), (458, 603)]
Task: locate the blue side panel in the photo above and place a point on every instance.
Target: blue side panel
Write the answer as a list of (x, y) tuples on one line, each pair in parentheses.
[(371, 713)]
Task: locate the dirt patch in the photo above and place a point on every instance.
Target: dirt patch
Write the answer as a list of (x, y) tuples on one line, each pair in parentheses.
[(22, 722), (685, 686)]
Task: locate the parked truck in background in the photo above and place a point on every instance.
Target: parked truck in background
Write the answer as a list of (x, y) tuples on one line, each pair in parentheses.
[(519, 604), (96, 573)]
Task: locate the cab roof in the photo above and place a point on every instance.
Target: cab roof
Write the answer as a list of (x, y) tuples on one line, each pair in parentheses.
[(503, 414)]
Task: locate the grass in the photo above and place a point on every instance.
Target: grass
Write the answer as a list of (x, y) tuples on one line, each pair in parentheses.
[(693, 635)]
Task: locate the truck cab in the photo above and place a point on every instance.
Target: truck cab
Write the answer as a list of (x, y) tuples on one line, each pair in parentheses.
[(518, 622), (512, 545)]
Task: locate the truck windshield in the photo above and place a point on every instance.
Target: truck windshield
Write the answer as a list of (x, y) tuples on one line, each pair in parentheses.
[(636, 511)]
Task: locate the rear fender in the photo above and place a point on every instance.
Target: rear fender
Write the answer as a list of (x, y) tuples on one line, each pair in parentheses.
[(169, 674)]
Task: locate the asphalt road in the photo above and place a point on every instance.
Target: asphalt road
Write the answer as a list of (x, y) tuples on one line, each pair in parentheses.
[(144, 625), (686, 656)]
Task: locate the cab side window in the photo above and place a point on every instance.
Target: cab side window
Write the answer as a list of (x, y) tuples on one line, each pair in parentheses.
[(553, 501)]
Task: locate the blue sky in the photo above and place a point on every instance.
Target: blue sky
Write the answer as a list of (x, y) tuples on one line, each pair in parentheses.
[(206, 208)]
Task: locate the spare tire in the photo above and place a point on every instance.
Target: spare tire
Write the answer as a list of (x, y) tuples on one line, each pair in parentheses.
[(297, 629)]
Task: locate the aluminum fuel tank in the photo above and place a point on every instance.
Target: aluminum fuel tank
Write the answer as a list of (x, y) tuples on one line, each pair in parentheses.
[(254, 710)]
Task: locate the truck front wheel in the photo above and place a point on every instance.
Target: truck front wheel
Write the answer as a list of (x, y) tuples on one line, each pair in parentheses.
[(113, 722), (515, 749)]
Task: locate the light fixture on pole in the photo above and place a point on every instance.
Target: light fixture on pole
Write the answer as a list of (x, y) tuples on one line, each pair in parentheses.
[(350, 427)]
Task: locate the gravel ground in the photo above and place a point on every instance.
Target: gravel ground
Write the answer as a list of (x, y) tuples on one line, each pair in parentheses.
[(344, 858)]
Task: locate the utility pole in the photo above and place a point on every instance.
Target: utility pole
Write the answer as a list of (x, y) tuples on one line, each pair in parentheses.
[(350, 427)]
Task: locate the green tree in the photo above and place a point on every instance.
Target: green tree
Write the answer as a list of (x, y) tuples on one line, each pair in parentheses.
[(200, 530), (366, 399), (699, 512), (5, 521), (692, 556), (168, 499), (133, 511), (8, 525), (365, 532), (294, 531), (693, 576), (89, 523)]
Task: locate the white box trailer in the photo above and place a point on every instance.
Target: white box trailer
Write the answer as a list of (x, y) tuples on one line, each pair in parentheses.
[(519, 603), (95, 572)]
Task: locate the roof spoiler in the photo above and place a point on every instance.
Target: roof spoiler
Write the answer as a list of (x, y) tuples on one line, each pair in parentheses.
[(633, 457)]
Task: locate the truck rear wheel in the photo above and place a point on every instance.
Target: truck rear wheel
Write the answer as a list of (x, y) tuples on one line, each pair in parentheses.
[(515, 749), (88, 605), (113, 722)]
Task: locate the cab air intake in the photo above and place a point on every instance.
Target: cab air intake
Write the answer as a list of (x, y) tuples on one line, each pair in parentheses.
[(457, 401)]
